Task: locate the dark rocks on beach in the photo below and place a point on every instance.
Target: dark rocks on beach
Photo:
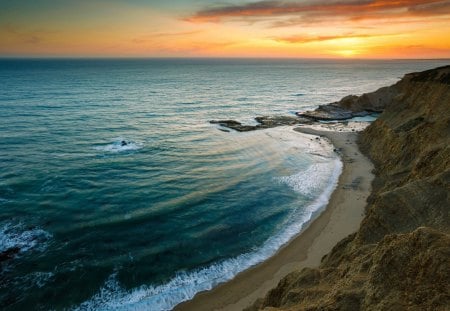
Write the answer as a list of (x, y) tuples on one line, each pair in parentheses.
[(348, 107), (263, 123), (273, 121), (354, 106), (327, 113)]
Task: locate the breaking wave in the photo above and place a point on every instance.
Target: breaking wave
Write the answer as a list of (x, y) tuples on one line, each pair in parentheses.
[(21, 239), (120, 145), (184, 286)]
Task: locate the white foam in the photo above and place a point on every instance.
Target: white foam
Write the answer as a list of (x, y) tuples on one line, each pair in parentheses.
[(42, 278), (185, 285), (311, 180), (17, 236), (117, 146)]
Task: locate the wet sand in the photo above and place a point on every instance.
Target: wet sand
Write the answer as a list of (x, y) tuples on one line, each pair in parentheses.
[(342, 217)]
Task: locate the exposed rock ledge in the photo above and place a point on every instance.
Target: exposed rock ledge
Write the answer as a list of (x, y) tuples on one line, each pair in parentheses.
[(354, 106), (347, 108), (263, 123), (399, 257)]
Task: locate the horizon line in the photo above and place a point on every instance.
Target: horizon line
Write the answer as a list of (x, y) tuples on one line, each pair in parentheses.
[(208, 57)]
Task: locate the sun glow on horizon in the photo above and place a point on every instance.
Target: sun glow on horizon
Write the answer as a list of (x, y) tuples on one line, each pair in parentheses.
[(320, 29), (347, 53)]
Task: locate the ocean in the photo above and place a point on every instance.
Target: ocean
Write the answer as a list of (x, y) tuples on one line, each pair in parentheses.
[(90, 223)]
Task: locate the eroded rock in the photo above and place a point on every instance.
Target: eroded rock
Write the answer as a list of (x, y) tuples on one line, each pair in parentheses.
[(263, 123), (327, 113)]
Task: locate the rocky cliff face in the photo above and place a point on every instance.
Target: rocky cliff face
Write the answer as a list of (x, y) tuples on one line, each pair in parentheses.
[(400, 257)]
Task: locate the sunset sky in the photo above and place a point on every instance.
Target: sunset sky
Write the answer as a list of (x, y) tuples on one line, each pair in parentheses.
[(226, 28)]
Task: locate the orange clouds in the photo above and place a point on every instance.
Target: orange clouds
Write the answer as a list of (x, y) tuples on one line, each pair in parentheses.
[(350, 9), (340, 28), (308, 39), (290, 28)]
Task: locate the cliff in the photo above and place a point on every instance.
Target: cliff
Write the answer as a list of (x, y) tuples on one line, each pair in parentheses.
[(399, 257)]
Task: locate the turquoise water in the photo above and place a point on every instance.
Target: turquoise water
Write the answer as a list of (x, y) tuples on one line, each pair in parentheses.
[(92, 224)]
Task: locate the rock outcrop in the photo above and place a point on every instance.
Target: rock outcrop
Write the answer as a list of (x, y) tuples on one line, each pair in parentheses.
[(263, 123), (399, 259), (347, 108), (354, 106)]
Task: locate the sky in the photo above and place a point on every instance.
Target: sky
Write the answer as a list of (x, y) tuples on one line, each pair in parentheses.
[(225, 28)]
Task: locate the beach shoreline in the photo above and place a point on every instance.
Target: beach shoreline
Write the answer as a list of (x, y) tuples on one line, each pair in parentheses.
[(341, 217)]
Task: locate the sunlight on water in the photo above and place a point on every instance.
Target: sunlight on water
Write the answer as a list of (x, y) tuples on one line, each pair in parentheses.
[(117, 193)]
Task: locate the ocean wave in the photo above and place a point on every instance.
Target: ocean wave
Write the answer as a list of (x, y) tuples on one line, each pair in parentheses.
[(42, 278), (311, 180), (21, 239), (120, 145), (37, 279), (185, 285)]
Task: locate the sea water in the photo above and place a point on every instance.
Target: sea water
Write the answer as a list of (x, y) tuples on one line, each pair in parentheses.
[(90, 223)]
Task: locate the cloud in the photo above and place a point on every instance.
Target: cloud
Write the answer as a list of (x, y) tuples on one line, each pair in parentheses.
[(313, 10), (162, 35), (441, 7), (412, 51), (308, 39), (27, 37)]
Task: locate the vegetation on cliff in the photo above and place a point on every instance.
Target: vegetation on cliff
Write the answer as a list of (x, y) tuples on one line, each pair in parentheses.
[(399, 258)]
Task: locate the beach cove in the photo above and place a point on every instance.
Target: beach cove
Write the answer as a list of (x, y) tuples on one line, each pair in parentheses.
[(341, 217), (189, 203)]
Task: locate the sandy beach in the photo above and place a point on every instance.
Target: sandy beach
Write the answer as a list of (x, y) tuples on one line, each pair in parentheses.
[(342, 217)]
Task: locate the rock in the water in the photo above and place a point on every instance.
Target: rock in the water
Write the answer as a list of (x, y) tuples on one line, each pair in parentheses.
[(225, 122), (9, 253), (234, 125)]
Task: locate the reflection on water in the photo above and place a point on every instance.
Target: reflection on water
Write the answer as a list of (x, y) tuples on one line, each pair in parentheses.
[(88, 221)]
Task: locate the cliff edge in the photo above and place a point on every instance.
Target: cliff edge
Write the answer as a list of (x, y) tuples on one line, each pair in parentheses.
[(399, 257)]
